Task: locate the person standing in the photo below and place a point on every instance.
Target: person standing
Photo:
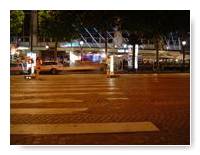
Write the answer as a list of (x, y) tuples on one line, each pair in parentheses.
[(38, 67)]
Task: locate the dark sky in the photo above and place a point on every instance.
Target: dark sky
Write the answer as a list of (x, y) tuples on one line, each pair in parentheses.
[(176, 20)]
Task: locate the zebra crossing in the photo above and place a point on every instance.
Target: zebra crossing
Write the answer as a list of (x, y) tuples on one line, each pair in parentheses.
[(62, 91)]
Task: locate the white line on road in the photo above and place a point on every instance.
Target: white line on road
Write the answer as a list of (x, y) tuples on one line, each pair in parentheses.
[(118, 98), (38, 94), (58, 89), (48, 100), (34, 111), (82, 128), (59, 85), (19, 94)]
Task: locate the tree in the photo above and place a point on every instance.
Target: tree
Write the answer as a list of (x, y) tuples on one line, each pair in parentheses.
[(155, 24), (16, 21), (59, 25), (103, 20)]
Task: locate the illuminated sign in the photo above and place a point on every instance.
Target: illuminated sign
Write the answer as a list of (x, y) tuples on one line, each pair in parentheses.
[(32, 56), (136, 56), (111, 63)]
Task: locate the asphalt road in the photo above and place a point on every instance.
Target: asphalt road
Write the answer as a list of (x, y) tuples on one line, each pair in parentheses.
[(43, 110)]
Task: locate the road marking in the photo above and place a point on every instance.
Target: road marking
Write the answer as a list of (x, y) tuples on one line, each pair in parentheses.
[(19, 94), (82, 128), (46, 110), (58, 89), (44, 100), (118, 98), (109, 93), (59, 83), (56, 86)]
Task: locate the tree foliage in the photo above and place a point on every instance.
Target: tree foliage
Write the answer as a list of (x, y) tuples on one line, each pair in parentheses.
[(16, 21), (100, 19), (153, 23), (57, 24)]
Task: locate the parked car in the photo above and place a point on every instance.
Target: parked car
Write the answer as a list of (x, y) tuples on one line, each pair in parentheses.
[(17, 68), (51, 66)]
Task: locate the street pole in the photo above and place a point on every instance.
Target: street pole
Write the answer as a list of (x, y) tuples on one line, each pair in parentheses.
[(31, 42), (106, 46), (183, 58), (157, 57), (183, 46), (81, 45)]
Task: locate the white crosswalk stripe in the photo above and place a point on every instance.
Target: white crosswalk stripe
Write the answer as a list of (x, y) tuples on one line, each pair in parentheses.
[(46, 110), (46, 100), (20, 94), (30, 92), (82, 128)]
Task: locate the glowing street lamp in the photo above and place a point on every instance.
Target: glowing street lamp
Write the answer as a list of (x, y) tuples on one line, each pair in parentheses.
[(125, 46), (47, 46), (81, 44), (184, 43), (183, 46)]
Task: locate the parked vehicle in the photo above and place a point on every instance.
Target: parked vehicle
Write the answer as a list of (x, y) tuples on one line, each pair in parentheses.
[(17, 68), (51, 66)]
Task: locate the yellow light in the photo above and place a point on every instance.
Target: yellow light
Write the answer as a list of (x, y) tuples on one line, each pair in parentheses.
[(184, 43)]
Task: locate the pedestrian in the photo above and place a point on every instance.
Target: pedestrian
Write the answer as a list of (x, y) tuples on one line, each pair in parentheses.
[(38, 67)]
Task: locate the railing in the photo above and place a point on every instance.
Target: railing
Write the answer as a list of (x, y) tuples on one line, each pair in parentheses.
[(24, 41)]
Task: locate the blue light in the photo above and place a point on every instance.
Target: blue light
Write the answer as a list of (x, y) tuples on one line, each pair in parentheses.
[(96, 57)]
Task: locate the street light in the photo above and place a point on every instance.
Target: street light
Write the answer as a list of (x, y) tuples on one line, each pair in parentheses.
[(125, 46), (183, 46), (81, 44), (47, 46), (184, 43)]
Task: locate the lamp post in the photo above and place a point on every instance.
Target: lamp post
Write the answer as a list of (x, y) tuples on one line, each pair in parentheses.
[(183, 47), (47, 46), (125, 46), (81, 45)]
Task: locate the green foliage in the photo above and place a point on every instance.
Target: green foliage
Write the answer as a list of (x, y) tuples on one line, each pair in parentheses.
[(57, 24), (102, 20), (16, 21), (155, 23)]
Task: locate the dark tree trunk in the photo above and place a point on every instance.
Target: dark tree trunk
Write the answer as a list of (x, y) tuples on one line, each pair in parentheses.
[(55, 50), (106, 42), (157, 54), (183, 58)]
